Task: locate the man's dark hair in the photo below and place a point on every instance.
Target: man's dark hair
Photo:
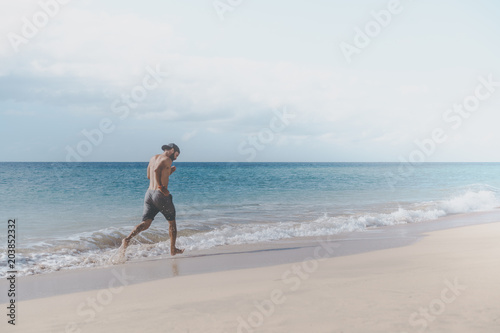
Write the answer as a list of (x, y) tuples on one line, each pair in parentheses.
[(170, 146)]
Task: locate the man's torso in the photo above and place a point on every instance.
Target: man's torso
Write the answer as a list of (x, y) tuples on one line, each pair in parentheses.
[(165, 170)]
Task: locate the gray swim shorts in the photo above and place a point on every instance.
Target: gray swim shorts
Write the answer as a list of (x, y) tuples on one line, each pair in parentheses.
[(154, 202)]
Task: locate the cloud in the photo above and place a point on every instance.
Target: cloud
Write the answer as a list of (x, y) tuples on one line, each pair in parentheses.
[(88, 56), (189, 135)]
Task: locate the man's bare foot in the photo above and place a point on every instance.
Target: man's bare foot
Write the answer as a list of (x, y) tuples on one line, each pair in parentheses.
[(176, 251), (125, 244)]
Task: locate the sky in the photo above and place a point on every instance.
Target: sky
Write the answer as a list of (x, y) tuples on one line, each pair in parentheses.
[(250, 81)]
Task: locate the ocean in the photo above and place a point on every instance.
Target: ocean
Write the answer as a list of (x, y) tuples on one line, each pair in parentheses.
[(74, 215)]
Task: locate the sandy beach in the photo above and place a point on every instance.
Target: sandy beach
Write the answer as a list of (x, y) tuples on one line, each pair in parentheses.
[(445, 282)]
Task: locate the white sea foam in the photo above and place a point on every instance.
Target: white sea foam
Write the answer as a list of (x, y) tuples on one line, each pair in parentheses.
[(330, 225), (470, 202), (96, 248)]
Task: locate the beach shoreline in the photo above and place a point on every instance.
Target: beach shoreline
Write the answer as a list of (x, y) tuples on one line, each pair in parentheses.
[(450, 273), (235, 257)]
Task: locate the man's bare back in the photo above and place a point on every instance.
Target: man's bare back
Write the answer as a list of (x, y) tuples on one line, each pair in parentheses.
[(159, 171)]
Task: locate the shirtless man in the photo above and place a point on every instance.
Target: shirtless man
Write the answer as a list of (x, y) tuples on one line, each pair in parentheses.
[(158, 198)]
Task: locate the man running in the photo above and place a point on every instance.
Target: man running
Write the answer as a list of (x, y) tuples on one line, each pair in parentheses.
[(158, 198)]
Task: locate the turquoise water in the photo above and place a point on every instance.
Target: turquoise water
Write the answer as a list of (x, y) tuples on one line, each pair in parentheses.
[(75, 214)]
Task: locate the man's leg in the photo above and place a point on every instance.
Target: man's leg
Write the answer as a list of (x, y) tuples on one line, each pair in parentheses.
[(173, 236), (144, 225)]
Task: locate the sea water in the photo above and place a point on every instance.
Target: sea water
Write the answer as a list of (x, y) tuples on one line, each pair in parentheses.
[(71, 215)]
